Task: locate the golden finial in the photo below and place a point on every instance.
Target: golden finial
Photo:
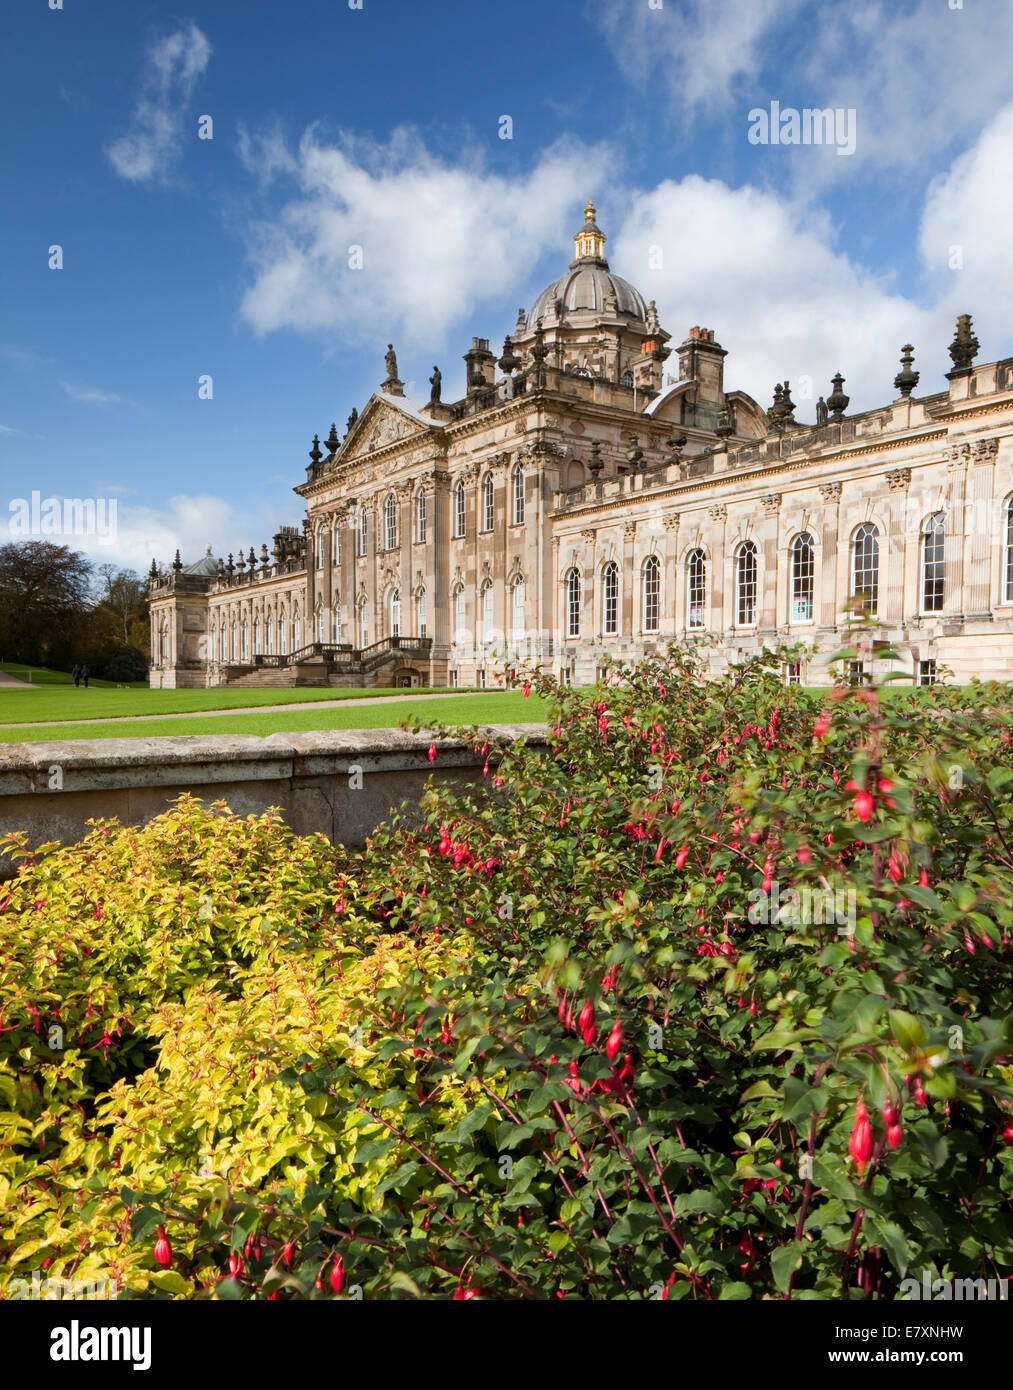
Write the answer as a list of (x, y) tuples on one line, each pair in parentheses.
[(589, 211)]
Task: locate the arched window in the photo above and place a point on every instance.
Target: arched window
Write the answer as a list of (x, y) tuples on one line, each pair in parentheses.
[(1008, 566), (460, 615), (865, 569), (517, 608), (390, 522), (487, 618), (420, 517), (321, 549), (282, 635), (270, 635), (337, 624), (652, 594), (610, 599), (933, 563), (363, 533), (628, 380), (488, 503), (364, 622), (232, 641), (745, 584), (337, 542), (802, 578), (459, 512), (296, 632), (572, 618), (420, 613), (321, 625), (696, 589), (256, 636), (395, 613), (517, 493)]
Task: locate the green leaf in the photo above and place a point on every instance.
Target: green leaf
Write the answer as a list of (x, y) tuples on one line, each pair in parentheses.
[(784, 1262)]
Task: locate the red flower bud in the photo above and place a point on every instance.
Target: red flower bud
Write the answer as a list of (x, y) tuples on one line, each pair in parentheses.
[(863, 806), (615, 1041), (894, 1134), (287, 1254), (1007, 1136), (163, 1249), (338, 1274), (680, 858), (432, 752), (586, 1016), (860, 1144), (236, 1266)]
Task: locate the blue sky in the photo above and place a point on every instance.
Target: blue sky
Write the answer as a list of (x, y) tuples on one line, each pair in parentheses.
[(380, 128)]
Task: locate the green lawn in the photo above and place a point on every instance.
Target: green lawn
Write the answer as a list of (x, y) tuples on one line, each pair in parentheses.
[(64, 701), (43, 675), (487, 707)]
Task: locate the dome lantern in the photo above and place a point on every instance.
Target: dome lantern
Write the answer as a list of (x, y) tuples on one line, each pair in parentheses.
[(589, 242)]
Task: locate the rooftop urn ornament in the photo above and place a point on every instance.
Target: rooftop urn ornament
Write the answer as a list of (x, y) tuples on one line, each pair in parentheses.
[(265, 559), (316, 453), (177, 564), (776, 410), (231, 565), (676, 441), (653, 323), (436, 382), (595, 463), (635, 455), (963, 349), (350, 422), (509, 361), (821, 413), (221, 569), (252, 561), (906, 380), (241, 563), (837, 400), (333, 442), (787, 406)]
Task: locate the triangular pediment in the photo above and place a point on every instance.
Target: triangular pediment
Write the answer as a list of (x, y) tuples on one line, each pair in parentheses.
[(385, 420)]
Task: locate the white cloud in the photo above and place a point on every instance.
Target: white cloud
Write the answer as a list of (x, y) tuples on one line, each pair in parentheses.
[(766, 277), (437, 239), (921, 77), (966, 218), (699, 49), (153, 141), (90, 395), (189, 523)]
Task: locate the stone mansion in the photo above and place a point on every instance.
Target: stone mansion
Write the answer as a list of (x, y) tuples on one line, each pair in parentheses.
[(582, 501)]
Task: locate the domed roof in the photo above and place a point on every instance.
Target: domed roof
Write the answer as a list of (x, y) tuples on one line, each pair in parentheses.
[(207, 564), (589, 285)]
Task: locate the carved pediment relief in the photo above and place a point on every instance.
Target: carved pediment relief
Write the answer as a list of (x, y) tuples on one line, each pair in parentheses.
[(378, 426)]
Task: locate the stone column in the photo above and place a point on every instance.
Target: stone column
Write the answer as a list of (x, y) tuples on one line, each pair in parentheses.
[(978, 529), (406, 580), (311, 587), (722, 595), (954, 604), (827, 601), (437, 564), (589, 600), (372, 566), (670, 596), (328, 564), (770, 550), (556, 616), (893, 550), (629, 579)]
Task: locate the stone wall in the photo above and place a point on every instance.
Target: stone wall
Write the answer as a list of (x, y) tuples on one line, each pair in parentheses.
[(51, 790)]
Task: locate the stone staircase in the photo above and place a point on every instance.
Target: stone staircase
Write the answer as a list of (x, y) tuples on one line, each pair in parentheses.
[(326, 664)]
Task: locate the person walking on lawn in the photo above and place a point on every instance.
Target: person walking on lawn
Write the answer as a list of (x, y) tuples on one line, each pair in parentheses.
[(76, 673), (84, 676)]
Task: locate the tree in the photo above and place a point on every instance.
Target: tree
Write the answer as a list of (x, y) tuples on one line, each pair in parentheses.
[(124, 596), (44, 594)]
